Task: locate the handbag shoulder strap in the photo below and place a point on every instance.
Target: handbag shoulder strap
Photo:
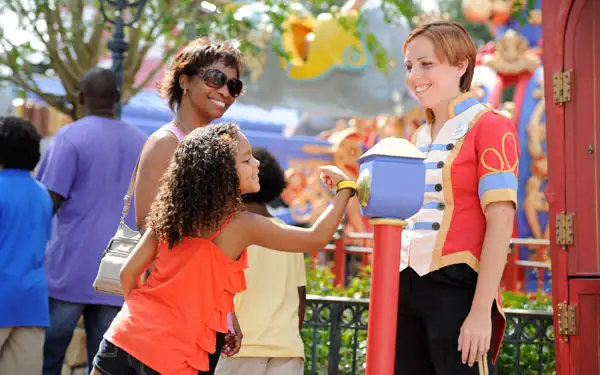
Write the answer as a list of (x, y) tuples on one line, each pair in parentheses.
[(128, 195)]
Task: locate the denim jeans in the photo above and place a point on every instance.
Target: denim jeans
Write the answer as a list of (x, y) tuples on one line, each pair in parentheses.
[(112, 360), (63, 320)]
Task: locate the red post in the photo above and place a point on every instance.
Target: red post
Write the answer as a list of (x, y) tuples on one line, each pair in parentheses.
[(383, 306)]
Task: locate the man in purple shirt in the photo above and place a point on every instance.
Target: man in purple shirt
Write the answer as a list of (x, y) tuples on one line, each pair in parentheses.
[(87, 169)]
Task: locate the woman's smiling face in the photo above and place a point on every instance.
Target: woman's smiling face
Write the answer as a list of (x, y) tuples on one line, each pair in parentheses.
[(431, 80)]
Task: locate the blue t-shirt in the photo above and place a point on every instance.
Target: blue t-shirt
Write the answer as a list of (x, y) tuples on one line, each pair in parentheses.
[(25, 226)]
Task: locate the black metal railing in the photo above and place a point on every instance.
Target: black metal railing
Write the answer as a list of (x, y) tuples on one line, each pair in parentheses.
[(335, 337)]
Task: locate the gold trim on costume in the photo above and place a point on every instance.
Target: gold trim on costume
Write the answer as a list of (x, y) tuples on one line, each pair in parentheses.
[(430, 117), (465, 257), (436, 259), (503, 159)]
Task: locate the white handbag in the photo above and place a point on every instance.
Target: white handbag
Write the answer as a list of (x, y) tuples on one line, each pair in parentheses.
[(120, 246)]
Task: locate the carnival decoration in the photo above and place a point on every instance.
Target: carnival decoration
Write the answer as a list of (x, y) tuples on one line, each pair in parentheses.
[(306, 196), (328, 68)]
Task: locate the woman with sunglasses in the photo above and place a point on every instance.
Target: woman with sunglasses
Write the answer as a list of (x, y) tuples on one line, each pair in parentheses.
[(201, 83)]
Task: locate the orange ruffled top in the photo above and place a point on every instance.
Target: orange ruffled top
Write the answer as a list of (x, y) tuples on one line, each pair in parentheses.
[(170, 322)]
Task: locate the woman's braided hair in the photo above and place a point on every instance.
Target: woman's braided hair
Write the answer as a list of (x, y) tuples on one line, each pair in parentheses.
[(200, 188)]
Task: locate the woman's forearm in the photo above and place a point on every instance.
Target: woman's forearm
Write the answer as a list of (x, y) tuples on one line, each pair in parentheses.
[(499, 220)]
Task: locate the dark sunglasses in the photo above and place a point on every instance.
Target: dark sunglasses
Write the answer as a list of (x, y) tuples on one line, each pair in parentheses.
[(216, 79)]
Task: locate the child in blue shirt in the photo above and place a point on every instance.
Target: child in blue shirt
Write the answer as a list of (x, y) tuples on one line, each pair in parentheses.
[(25, 227)]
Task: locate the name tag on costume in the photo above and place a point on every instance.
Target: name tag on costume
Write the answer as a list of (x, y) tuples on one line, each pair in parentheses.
[(460, 131)]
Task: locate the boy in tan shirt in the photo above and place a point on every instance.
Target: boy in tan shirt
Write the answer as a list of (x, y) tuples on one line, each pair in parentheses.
[(271, 310)]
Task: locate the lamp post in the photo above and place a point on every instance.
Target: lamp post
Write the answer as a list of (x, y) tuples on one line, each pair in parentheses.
[(390, 189), (118, 45)]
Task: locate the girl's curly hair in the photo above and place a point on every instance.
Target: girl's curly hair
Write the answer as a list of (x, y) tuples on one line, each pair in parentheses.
[(200, 188)]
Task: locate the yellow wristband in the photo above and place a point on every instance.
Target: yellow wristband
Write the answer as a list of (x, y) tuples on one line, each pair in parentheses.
[(347, 184)]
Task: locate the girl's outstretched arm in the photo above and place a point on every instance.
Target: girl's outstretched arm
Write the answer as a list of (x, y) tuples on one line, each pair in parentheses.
[(264, 232), (140, 259)]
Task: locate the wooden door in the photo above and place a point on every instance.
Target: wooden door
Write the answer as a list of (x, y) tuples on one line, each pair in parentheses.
[(571, 38), (585, 344), (555, 17), (582, 132)]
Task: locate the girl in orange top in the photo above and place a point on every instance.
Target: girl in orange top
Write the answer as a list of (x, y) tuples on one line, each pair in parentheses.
[(198, 236)]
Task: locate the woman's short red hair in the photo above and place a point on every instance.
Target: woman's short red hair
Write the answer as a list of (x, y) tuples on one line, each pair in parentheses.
[(453, 45)]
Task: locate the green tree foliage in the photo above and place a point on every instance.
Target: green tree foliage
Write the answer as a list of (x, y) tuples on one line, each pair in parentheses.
[(68, 37), (479, 32)]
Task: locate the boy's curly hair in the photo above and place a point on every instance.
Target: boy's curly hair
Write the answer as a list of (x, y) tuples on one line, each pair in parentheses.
[(200, 188), (19, 144), (271, 177)]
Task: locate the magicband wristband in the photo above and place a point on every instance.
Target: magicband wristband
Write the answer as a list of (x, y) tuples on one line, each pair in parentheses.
[(347, 184)]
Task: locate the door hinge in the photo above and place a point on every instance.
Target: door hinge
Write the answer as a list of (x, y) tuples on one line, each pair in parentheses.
[(567, 319), (564, 229), (562, 87)]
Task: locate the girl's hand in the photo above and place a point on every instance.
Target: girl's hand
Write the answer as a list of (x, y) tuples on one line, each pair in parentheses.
[(331, 175), (475, 336), (233, 344), (233, 340)]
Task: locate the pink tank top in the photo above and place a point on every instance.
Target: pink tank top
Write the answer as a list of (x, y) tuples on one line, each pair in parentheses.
[(172, 128)]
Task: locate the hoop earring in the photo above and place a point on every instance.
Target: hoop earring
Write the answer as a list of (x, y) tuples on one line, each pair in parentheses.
[(185, 91)]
